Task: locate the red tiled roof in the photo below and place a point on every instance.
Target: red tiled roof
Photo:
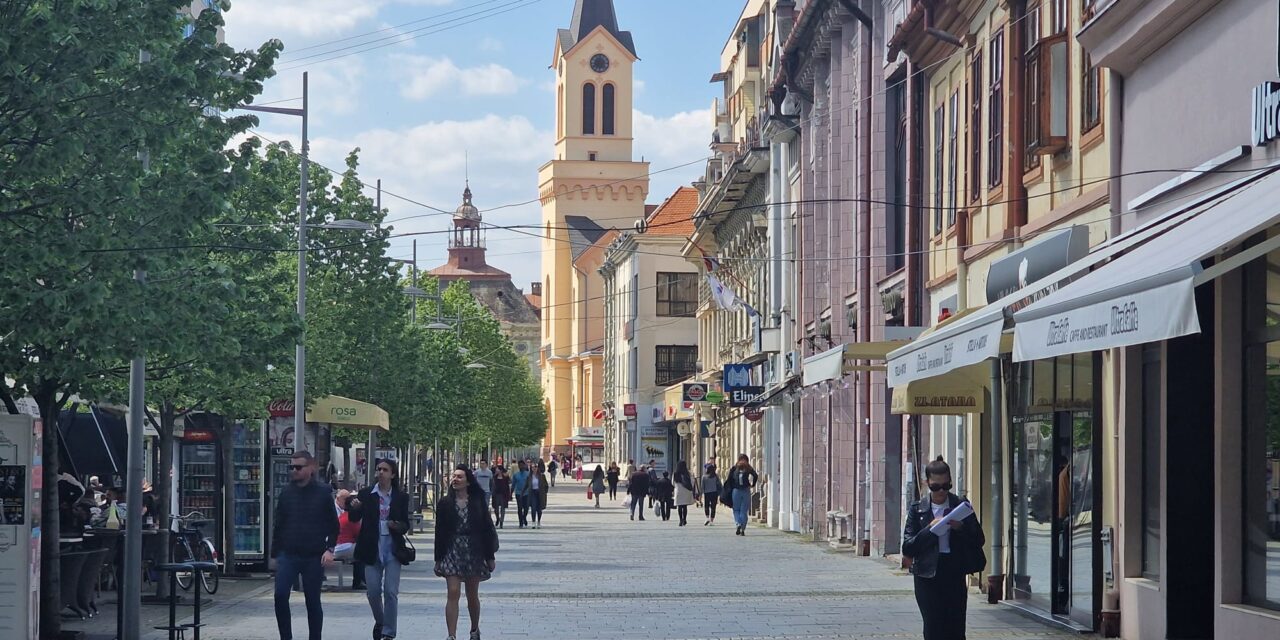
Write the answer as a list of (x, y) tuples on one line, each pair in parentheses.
[(674, 217)]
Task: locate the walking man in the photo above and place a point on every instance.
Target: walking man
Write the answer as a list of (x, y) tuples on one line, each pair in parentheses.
[(306, 531), (551, 469), (638, 487), (520, 487), (484, 476)]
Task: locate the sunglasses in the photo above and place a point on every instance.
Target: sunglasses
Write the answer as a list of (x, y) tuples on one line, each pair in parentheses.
[(933, 486), (297, 467)]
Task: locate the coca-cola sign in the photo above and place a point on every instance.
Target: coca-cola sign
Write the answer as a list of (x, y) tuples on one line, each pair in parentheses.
[(280, 408)]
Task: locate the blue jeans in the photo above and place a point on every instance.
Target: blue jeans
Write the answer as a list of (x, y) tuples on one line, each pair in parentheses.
[(288, 567), (382, 585), (741, 504)]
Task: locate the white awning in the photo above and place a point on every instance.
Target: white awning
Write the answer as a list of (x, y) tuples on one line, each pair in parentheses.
[(1148, 294), (827, 365), (974, 338)]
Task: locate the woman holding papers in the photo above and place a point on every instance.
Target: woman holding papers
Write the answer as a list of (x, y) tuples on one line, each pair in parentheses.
[(944, 542)]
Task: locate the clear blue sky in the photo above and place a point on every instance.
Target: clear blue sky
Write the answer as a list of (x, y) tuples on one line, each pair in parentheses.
[(479, 86)]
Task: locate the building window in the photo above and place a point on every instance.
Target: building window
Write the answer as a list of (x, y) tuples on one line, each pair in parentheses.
[(1059, 19), (953, 158), (677, 295), (939, 133), (1091, 95), (591, 156), (1031, 66), (560, 112), (995, 112), (1261, 444), (588, 109), (975, 124), (1048, 78), (896, 102), (606, 114), (675, 363), (1152, 486)]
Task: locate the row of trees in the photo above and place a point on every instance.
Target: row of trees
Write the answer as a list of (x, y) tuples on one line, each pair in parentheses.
[(116, 157)]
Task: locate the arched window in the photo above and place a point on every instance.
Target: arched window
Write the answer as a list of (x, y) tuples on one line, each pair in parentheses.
[(588, 109), (606, 116), (560, 112)]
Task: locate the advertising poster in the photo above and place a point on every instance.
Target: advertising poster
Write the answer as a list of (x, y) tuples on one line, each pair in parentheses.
[(655, 449)]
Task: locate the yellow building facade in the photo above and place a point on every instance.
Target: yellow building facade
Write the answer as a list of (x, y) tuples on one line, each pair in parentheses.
[(591, 184)]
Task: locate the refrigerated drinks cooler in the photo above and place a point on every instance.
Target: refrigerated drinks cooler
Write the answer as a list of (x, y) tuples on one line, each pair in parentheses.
[(200, 480), (249, 522)]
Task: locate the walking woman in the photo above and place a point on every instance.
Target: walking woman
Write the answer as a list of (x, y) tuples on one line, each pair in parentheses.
[(501, 495), (940, 561), (465, 545), (684, 492), (742, 479), (383, 510), (536, 497), (711, 488), (612, 476), (597, 483)]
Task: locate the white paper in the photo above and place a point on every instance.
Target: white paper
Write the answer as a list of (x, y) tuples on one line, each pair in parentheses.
[(964, 510)]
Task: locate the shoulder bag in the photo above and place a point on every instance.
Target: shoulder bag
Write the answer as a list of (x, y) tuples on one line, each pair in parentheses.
[(405, 552)]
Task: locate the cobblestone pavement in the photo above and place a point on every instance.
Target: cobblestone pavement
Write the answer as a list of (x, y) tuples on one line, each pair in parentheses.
[(593, 573)]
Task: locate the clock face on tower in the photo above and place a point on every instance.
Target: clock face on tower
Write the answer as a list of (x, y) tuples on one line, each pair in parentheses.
[(599, 63)]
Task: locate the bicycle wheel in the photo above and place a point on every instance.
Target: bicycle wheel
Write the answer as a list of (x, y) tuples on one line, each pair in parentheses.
[(181, 554), (205, 553)]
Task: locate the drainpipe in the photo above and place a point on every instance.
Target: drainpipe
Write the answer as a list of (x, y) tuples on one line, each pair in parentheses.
[(864, 247), (1016, 212), (1111, 611), (995, 580), (773, 432)]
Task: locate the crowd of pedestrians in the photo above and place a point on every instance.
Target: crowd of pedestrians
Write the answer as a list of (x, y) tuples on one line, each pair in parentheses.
[(368, 529)]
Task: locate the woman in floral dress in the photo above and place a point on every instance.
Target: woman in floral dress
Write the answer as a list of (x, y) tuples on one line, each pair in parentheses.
[(465, 544)]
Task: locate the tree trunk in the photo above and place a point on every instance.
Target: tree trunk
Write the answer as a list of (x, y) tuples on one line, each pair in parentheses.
[(164, 486), (50, 558)]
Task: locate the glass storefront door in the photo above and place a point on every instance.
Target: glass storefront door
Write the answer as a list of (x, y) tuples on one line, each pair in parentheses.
[(1052, 490)]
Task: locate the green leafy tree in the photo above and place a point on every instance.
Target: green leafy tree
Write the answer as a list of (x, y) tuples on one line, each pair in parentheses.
[(80, 210)]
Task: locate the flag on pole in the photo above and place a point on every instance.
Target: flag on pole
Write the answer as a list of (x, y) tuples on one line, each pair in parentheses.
[(712, 263), (726, 299)]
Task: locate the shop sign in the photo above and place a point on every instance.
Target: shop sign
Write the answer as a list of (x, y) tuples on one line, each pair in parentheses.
[(1034, 262), (280, 408), (753, 413), (695, 391), (199, 435), (1150, 315), (1266, 113), (744, 396), (590, 432), (715, 397), (736, 375), (629, 410)]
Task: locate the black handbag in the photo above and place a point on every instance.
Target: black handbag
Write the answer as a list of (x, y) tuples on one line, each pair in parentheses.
[(406, 553)]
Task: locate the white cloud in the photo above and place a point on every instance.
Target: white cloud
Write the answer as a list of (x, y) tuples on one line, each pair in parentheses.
[(429, 163), (252, 22), (665, 142), (426, 76), (492, 45)]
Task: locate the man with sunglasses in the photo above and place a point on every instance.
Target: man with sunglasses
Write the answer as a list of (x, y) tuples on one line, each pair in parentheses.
[(303, 536), (941, 559)]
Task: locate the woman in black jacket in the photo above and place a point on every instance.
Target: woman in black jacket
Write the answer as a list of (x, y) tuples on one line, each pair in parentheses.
[(383, 510), (940, 561), (465, 545)]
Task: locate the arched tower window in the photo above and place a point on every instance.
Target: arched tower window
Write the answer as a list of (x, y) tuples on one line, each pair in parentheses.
[(560, 112), (588, 109), (606, 104)]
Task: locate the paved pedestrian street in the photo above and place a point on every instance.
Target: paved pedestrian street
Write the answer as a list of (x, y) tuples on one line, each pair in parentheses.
[(593, 573)]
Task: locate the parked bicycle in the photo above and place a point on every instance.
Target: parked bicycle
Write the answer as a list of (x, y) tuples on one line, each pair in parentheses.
[(192, 545)]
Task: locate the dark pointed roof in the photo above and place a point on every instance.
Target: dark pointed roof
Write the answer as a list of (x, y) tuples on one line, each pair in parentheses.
[(583, 232), (589, 14)]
